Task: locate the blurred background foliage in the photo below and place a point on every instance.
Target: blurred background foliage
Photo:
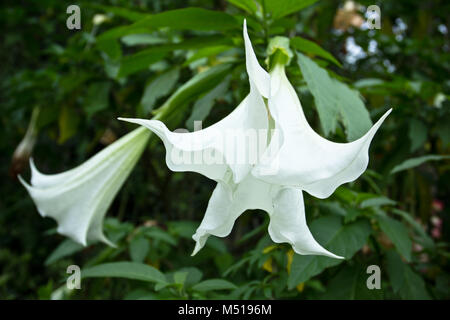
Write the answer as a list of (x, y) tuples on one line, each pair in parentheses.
[(62, 91)]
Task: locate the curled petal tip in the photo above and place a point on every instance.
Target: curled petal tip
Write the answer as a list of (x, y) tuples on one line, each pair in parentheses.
[(196, 249), (23, 182)]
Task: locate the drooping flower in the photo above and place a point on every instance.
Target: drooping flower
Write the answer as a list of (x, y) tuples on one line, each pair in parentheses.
[(79, 198), (293, 158)]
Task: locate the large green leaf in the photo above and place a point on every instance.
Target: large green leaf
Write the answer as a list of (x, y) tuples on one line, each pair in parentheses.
[(128, 270), (414, 162), (143, 59), (398, 234), (343, 240), (404, 281), (179, 19), (335, 101), (281, 8), (213, 284), (308, 46)]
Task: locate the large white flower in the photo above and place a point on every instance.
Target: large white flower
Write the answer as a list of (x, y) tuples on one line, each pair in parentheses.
[(79, 198), (292, 159), (300, 157)]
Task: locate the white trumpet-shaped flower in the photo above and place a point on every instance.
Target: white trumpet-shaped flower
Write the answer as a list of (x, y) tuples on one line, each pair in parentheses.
[(79, 198), (293, 158), (303, 159)]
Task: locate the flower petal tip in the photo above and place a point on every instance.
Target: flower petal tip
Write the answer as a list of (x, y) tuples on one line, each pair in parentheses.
[(23, 182)]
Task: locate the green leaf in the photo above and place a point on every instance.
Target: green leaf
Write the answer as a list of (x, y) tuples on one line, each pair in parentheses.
[(404, 281), (201, 82), (159, 87), (377, 202), (335, 100), (65, 248), (414, 162), (203, 106), (179, 19), (398, 234), (351, 284), (139, 248), (206, 52), (213, 284), (308, 46), (281, 8), (343, 240), (140, 61), (97, 97), (121, 12), (128, 270), (143, 59), (417, 134)]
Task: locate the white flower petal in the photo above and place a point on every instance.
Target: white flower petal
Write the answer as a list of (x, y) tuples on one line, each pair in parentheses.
[(228, 202), (284, 206), (305, 159), (288, 224), (79, 198), (256, 73), (215, 150)]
